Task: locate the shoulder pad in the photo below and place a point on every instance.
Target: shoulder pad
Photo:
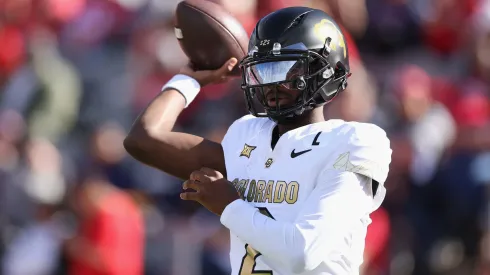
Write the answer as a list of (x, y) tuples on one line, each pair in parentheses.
[(241, 121), (242, 126), (365, 150)]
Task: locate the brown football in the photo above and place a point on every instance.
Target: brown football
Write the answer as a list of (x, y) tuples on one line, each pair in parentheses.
[(209, 35)]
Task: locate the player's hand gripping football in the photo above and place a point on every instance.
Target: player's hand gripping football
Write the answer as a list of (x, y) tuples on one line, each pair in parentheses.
[(210, 76), (212, 190)]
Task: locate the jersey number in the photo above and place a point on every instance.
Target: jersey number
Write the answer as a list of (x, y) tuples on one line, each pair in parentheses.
[(249, 259)]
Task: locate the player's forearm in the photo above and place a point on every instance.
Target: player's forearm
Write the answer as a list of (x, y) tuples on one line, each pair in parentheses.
[(152, 141), (154, 125), (161, 114), (149, 136), (281, 242)]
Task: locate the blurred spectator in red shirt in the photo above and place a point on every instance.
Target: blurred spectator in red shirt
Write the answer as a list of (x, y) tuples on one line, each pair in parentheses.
[(12, 51), (111, 236), (445, 27), (376, 252)]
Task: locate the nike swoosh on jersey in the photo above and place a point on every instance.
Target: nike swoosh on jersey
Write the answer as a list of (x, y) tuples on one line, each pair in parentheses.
[(297, 154)]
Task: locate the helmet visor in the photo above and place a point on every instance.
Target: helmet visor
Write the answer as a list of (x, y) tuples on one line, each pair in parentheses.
[(274, 72)]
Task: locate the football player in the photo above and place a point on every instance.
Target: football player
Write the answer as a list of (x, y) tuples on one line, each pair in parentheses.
[(296, 191)]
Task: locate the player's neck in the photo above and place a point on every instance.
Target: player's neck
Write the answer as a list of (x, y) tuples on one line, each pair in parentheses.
[(311, 117)]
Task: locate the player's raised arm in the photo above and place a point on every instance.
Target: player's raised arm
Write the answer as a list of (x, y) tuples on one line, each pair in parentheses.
[(151, 139)]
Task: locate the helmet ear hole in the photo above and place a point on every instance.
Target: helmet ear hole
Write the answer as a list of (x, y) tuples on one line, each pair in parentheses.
[(300, 84)]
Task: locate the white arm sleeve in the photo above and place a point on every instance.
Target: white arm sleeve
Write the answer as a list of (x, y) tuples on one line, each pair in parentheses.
[(340, 200)]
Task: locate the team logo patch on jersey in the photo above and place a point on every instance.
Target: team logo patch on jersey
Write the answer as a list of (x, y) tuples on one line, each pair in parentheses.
[(269, 162), (247, 150)]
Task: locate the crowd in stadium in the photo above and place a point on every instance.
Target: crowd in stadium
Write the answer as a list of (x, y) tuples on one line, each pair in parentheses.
[(74, 75)]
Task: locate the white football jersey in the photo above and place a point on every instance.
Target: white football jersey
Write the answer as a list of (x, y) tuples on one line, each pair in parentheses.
[(315, 186)]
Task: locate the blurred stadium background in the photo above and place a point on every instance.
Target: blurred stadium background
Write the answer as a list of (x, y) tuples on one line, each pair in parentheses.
[(75, 73)]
